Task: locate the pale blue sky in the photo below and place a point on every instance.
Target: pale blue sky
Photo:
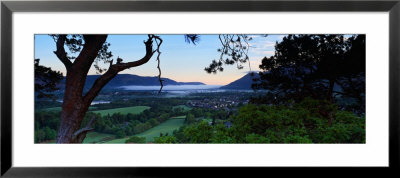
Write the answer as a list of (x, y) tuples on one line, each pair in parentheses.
[(180, 61)]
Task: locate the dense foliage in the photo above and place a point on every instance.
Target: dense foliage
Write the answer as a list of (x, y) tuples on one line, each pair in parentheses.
[(310, 121)]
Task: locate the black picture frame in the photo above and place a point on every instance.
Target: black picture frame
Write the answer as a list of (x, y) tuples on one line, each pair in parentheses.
[(8, 7)]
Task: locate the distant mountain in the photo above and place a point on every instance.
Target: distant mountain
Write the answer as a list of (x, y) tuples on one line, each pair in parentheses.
[(243, 83), (129, 79)]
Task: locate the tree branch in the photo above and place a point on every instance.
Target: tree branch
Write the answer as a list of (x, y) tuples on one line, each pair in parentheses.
[(90, 50), (159, 42), (60, 53), (149, 53), (80, 135), (115, 68)]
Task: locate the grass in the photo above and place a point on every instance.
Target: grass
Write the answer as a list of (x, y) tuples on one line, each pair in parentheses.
[(126, 110), (166, 127), (96, 137), (185, 108), (178, 117), (120, 140), (48, 142)]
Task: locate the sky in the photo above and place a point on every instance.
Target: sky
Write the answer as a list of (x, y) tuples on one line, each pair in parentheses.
[(180, 61)]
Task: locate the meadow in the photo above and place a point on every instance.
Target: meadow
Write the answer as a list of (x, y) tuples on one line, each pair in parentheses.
[(96, 137), (166, 127)]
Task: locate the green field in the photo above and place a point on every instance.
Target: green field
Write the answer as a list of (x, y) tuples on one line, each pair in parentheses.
[(126, 110), (96, 137), (120, 140), (168, 126), (178, 117), (185, 108)]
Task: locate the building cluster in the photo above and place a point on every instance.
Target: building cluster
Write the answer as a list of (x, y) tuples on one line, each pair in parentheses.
[(225, 103)]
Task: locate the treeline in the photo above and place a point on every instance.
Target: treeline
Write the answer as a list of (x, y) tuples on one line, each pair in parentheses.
[(130, 124), (151, 102), (196, 114)]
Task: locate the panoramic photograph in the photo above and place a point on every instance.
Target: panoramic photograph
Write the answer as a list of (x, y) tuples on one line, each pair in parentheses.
[(199, 88)]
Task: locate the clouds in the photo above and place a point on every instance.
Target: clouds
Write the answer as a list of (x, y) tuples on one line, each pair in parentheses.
[(263, 53), (262, 47)]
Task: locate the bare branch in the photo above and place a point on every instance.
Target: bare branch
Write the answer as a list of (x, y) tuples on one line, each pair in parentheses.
[(158, 61)]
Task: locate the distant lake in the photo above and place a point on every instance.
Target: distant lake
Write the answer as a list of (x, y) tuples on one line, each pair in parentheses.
[(171, 87), (99, 102), (93, 102)]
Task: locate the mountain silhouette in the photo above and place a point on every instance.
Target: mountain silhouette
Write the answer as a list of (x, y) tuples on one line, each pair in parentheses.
[(243, 83), (130, 79)]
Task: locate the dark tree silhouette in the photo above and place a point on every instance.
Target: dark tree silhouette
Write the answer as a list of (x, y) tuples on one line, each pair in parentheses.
[(318, 66), (46, 80)]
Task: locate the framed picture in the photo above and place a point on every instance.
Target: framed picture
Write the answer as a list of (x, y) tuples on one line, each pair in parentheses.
[(197, 84)]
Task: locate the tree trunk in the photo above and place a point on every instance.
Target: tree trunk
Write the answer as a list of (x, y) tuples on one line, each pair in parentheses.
[(73, 111), (74, 107)]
